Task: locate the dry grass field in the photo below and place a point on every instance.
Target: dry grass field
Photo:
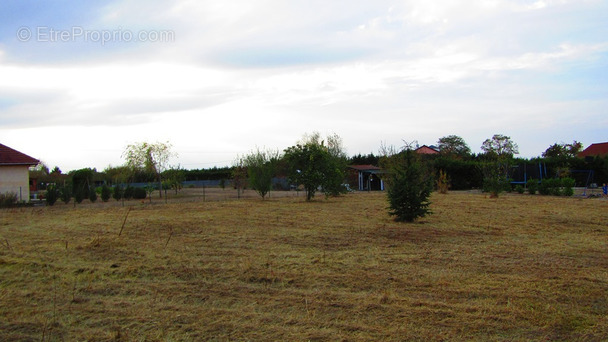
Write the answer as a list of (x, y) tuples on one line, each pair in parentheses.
[(515, 268)]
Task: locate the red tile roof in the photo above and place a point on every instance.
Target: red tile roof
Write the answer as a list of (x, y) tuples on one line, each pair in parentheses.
[(593, 150), (426, 150), (8, 156)]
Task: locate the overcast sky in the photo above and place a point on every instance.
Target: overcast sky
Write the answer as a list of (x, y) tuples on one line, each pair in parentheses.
[(79, 81)]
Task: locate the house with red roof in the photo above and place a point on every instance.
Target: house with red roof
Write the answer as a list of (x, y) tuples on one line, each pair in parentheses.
[(595, 150), (424, 149), (14, 172)]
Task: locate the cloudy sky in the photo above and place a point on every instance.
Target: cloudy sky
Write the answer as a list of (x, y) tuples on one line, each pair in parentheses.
[(79, 81)]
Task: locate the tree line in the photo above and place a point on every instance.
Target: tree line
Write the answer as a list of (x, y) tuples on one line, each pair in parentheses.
[(319, 164)]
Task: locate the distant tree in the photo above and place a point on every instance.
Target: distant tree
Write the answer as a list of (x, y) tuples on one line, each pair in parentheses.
[(261, 168), (82, 180), (499, 151), (500, 146), (335, 173), (239, 176), (151, 157), (453, 145), (117, 174), (410, 185), (174, 178), (315, 164), (359, 159), (563, 150), (307, 165)]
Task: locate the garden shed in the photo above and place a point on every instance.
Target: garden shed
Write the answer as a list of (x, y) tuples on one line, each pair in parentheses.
[(366, 177), (14, 172)]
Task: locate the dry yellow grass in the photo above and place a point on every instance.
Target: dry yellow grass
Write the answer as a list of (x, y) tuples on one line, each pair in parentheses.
[(512, 268)]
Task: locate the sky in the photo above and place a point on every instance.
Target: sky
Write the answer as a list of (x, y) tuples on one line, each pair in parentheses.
[(80, 81)]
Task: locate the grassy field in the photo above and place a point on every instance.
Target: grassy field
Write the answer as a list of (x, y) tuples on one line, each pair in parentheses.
[(519, 267)]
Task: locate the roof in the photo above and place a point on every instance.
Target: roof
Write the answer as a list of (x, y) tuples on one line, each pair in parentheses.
[(600, 149), (8, 157), (427, 150)]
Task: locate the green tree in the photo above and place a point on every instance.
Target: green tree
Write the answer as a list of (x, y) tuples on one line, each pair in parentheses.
[(82, 180), (239, 176), (150, 157), (307, 165), (500, 146), (453, 145), (261, 168), (335, 174), (499, 151), (174, 178), (410, 185), (563, 150)]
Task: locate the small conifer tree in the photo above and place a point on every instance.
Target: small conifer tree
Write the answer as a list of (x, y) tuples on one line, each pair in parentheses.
[(410, 187)]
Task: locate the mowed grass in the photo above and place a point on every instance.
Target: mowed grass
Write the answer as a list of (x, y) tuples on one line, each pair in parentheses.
[(519, 267)]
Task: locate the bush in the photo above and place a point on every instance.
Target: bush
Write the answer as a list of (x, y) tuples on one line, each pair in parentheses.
[(532, 186), (520, 189), (545, 186), (52, 195), (128, 192), (567, 186), (117, 193), (106, 192), (8, 199), (79, 195), (65, 194), (92, 195), (139, 193)]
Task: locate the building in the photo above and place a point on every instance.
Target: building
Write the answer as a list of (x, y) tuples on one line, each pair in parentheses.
[(14, 172), (427, 150), (595, 150), (366, 177)]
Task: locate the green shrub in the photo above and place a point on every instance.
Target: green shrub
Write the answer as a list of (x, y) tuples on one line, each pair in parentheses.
[(567, 187), (8, 199), (128, 192), (545, 186), (79, 194), (556, 187), (532, 185), (65, 194), (106, 192), (92, 195), (52, 195), (139, 193), (117, 193), (520, 189)]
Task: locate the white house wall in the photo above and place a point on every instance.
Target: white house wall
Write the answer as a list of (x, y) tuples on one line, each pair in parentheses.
[(15, 179)]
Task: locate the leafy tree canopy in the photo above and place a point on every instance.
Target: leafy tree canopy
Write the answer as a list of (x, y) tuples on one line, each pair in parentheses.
[(453, 145), (500, 146), (563, 150)]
